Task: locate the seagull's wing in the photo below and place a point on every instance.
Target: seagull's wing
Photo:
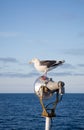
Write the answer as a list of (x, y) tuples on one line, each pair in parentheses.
[(51, 63), (48, 63)]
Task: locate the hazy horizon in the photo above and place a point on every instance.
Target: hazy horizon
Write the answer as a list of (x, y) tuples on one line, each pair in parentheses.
[(52, 30)]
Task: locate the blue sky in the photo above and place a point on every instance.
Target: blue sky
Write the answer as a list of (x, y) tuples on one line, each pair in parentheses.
[(44, 29)]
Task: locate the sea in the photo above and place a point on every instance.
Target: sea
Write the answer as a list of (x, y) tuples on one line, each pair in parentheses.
[(23, 112)]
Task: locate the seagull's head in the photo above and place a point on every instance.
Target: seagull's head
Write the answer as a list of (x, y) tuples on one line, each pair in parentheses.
[(34, 60)]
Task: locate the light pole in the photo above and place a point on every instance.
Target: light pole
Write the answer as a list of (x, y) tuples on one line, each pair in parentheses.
[(45, 88)]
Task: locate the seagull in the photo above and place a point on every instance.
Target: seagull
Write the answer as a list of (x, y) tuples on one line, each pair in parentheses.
[(45, 65)]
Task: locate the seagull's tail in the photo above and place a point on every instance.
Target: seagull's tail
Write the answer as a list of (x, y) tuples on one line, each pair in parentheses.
[(58, 63), (62, 61)]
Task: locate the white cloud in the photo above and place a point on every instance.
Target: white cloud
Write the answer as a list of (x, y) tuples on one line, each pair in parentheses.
[(8, 59), (9, 34), (74, 52), (81, 34)]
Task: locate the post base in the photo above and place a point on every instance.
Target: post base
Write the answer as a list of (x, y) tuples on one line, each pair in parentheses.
[(47, 114)]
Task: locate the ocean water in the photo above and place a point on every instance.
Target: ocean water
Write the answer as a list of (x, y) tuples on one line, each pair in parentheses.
[(23, 112)]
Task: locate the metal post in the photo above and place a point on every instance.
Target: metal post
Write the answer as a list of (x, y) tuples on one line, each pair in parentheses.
[(44, 89), (47, 123)]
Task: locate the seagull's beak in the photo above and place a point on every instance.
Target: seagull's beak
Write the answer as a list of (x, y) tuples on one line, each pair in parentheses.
[(30, 62)]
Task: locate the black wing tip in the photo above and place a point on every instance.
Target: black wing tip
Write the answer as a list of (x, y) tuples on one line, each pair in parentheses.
[(62, 61)]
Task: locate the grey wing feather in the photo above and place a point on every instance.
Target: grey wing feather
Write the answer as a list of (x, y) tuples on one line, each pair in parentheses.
[(48, 63)]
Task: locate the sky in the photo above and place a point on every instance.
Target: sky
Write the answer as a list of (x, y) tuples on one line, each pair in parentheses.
[(48, 30)]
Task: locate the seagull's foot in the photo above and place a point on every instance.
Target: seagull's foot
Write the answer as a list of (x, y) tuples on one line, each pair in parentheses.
[(44, 76)]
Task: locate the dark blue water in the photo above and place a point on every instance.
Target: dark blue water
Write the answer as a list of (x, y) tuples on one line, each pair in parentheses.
[(23, 112)]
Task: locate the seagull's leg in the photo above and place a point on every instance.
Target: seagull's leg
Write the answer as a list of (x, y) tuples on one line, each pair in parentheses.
[(45, 74)]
